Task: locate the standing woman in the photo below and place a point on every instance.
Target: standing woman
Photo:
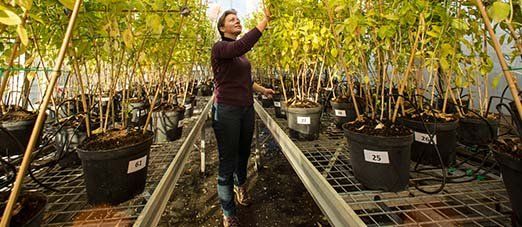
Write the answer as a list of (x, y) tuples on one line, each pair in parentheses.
[(233, 110)]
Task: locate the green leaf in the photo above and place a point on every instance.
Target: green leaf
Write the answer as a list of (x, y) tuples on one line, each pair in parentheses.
[(23, 34), (26, 4), (459, 24), (128, 38), (496, 80), (334, 52), (499, 11), (154, 23), (68, 3), (9, 17)]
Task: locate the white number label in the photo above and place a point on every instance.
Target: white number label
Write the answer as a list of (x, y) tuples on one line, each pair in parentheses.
[(180, 123), (188, 106), (424, 138), (340, 113), (376, 156), (277, 104), (283, 112), (264, 97), (136, 165), (303, 120)]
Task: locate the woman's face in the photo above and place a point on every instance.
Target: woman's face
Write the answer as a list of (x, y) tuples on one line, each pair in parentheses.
[(232, 25)]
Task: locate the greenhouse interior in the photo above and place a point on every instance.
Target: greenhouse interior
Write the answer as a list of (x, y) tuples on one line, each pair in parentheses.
[(260, 113)]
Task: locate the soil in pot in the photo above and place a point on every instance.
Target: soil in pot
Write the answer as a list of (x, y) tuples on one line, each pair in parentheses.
[(279, 112), (508, 153), (444, 134), (115, 165), (168, 123), (28, 210), (473, 130), (17, 125), (304, 120), (344, 110), (379, 154)]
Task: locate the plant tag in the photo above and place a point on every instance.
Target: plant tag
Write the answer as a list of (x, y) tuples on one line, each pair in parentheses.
[(180, 123), (264, 97), (188, 106), (340, 113), (283, 112), (424, 138), (376, 156), (138, 164), (303, 120), (277, 104)]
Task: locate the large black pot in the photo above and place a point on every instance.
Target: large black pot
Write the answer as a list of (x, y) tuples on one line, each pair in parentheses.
[(138, 111), (279, 112), (168, 125), (345, 111), (423, 150), (380, 162), (115, 175), (475, 131), (511, 169), (304, 123), (19, 130), (66, 141)]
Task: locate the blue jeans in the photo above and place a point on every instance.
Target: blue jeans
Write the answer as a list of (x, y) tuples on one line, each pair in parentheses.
[(234, 128)]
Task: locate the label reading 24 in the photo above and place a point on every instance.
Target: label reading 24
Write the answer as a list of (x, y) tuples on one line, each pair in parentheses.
[(424, 138), (376, 156)]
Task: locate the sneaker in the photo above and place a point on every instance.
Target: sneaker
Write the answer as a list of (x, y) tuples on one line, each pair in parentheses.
[(230, 221), (242, 195)]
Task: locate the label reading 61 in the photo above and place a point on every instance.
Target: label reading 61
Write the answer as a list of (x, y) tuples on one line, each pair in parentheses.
[(138, 164)]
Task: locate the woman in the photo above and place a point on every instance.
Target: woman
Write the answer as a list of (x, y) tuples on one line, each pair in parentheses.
[(233, 111)]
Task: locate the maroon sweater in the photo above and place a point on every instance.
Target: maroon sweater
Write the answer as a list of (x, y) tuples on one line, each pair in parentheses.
[(232, 70)]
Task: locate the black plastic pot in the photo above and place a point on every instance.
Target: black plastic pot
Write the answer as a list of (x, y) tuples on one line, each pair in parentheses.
[(475, 131), (266, 102), (116, 175), (304, 123), (137, 113), (511, 169), (380, 162), (277, 106), (423, 151), (66, 141), (32, 211), (168, 125), (21, 130), (345, 111)]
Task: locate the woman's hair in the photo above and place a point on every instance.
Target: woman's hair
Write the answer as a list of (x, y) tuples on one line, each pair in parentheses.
[(221, 20)]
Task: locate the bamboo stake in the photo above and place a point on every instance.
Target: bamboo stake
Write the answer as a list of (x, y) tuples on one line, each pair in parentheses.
[(76, 68), (17, 186), (505, 69)]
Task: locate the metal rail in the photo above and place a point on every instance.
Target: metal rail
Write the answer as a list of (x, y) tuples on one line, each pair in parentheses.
[(151, 214), (474, 203), (328, 200)]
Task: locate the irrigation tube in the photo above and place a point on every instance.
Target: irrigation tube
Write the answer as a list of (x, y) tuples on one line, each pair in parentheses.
[(331, 204), (41, 117), (151, 214)]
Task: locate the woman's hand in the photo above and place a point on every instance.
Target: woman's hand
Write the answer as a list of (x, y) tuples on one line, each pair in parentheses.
[(268, 92), (268, 14)]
